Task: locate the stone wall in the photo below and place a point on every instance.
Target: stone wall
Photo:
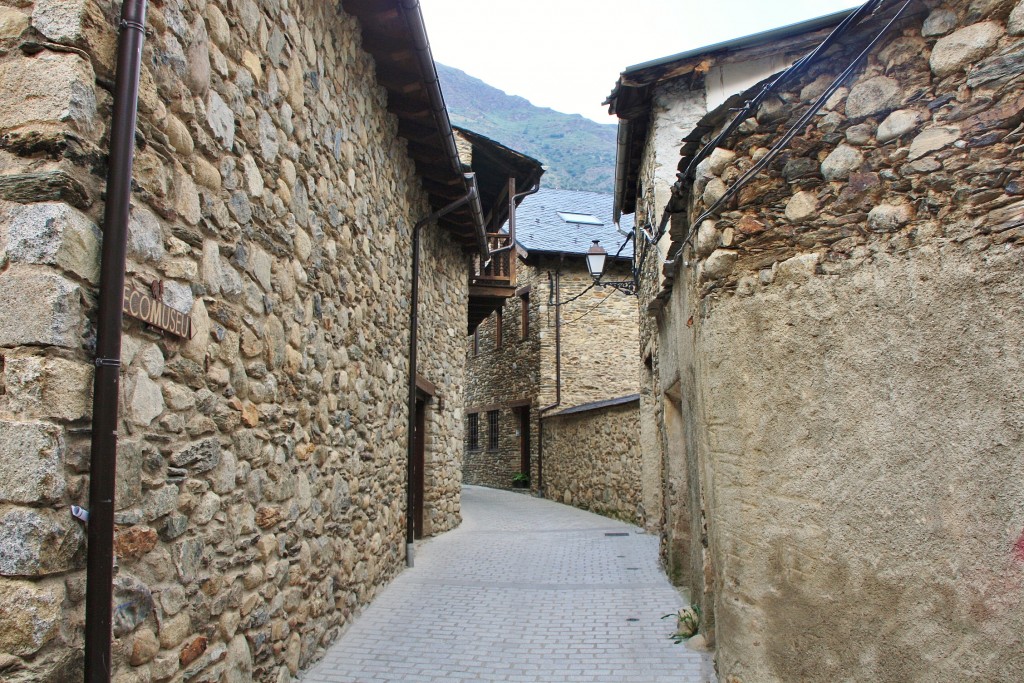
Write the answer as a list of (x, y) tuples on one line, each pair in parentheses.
[(599, 341), (261, 474), (599, 336), (499, 377), (592, 461), (837, 361)]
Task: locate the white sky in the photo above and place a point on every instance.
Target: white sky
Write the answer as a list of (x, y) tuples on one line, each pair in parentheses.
[(567, 54)]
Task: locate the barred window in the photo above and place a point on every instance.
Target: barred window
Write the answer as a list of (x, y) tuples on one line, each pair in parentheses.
[(474, 431), (492, 430)]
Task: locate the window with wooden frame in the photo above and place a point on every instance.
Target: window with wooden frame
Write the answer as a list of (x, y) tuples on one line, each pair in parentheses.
[(474, 431), (492, 430), (524, 304), (497, 329)]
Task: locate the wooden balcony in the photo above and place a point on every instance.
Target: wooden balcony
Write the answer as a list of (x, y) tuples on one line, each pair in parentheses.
[(491, 284)]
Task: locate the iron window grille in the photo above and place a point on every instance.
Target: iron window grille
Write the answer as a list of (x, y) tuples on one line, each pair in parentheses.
[(492, 430), (474, 431)]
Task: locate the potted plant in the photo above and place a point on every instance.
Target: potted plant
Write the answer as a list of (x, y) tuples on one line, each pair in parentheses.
[(521, 481)]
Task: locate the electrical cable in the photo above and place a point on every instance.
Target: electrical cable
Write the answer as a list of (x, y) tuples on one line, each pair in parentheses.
[(801, 123)]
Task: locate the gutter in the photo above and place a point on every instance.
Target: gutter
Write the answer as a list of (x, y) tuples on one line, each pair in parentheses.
[(513, 201), (556, 292), (414, 17), (621, 147), (103, 456), (473, 199), (748, 40), (411, 9)]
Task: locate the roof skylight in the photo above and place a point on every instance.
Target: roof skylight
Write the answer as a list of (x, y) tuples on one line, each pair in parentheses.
[(581, 218)]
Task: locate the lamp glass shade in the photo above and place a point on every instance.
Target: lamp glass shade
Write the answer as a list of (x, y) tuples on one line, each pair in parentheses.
[(595, 260)]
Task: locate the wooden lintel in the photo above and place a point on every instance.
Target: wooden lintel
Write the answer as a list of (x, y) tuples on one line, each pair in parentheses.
[(425, 385)]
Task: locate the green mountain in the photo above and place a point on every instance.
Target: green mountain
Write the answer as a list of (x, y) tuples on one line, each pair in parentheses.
[(579, 154)]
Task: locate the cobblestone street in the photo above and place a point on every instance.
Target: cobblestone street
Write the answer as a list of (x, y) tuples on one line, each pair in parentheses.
[(524, 590)]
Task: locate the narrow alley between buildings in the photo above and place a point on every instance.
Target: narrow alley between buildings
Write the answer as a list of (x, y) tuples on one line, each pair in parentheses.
[(524, 590)]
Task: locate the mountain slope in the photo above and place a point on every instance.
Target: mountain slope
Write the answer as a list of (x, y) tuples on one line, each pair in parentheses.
[(578, 153)]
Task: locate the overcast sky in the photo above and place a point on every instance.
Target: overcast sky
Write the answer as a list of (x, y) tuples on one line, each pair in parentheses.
[(567, 54)]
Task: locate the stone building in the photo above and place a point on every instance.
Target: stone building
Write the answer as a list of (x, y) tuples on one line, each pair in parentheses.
[(830, 400), (551, 383), (285, 152)]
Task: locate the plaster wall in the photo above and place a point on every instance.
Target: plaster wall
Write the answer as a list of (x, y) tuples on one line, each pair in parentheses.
[(841, 352)]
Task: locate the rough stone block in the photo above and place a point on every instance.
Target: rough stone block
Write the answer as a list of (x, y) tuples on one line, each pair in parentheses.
[(801, 207), (964, 47), (38, 386), (221, 119), (898, 124), (145, 235), (144, 400), (55, 234), (932, 140), (128, 479), (53, 184), (32, 615), (53, 87), (39, 307), (199, 457), (36, 542), (133, 603), (1015, 23), (12, 22), (718, 264), (843, 161), (31, 467), (873, 96)]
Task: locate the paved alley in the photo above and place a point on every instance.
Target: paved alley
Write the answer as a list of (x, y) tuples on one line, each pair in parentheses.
[(524, 590)]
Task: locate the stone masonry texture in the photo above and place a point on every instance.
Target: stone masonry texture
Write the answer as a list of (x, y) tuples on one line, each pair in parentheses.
[(592, 461), (261, 467), (832, 377), (599, 343)]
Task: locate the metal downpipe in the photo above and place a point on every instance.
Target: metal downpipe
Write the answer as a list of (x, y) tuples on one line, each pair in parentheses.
[(103, 458), (557, 291), (473, 199)]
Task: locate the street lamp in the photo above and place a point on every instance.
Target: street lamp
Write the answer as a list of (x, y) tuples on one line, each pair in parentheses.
[(596, 257)]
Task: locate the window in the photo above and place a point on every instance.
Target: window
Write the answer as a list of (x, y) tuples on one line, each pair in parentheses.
[(476, 342), (524, 304), (582, 218), (474, 431), (492, 430), (497, 330)]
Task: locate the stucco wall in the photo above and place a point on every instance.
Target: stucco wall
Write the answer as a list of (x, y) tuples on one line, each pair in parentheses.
[(843, 348), (261, 474), (592, 461)]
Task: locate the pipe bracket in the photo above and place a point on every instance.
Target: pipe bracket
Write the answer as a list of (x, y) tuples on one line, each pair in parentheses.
[(107, 362)]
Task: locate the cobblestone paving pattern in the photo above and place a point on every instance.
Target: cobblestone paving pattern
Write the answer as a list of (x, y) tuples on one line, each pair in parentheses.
[(524, 590)]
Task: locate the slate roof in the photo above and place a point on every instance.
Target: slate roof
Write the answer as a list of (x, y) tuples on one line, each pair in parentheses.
[(539, 228)]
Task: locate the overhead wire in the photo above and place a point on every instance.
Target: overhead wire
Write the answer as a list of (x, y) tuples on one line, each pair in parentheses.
[(800, 124)]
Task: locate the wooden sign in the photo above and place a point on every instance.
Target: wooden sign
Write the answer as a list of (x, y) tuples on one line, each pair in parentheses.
[(141, 305)]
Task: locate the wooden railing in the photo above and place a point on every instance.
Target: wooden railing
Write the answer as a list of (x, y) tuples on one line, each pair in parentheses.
[(501, 271)]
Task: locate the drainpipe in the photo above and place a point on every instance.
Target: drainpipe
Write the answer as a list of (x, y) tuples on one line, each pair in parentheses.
[(473, 199), (513, 199), (621, 152), (103, 465), (557, 291)]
